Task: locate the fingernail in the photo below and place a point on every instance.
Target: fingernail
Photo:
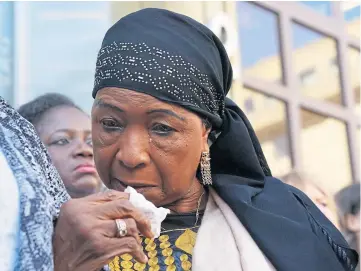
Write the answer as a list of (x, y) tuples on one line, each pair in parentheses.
[(145, 259)]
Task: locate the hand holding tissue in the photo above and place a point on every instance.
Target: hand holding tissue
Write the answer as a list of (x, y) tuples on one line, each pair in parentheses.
[(154, 214)]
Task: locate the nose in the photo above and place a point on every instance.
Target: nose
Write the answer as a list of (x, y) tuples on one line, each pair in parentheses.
[(133, 150), (83, 149)]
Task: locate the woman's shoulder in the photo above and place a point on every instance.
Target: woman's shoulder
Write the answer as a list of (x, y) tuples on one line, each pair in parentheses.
[(33, 174), (28, 156), (282, 219), (322, 227)]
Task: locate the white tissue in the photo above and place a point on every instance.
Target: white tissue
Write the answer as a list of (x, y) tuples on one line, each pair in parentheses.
[(154, 214)]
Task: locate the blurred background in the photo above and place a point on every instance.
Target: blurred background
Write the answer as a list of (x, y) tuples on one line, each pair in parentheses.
[(296, 67)]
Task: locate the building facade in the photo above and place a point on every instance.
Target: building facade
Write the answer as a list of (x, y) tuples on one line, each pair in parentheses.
[(296, 67)]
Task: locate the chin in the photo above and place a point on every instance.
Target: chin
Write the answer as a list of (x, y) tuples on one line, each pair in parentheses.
[(80, 193), (152, 194), (85, 186)]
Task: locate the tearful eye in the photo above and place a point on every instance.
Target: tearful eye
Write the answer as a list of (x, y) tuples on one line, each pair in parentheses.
[(162, 129), (110, 124)]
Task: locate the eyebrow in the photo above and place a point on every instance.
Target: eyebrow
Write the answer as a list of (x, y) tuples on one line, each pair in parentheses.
[(67, 131), (71, 130), (166, 111), (100, 103)]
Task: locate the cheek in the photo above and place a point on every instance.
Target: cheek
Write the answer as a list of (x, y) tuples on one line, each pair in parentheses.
[(102, 158), (101, 164), (177, 162), (59, 157), (100, 137)]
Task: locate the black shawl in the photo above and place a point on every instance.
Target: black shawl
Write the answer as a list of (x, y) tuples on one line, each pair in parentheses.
[(178, 60)]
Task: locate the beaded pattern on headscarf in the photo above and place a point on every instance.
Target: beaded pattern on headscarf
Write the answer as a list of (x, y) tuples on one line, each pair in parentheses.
[(160, 69)]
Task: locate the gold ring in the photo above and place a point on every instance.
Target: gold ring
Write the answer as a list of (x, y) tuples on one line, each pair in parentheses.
[(122, 227)]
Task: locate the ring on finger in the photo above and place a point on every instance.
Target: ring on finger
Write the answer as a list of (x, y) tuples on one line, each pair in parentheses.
[(122, 227)]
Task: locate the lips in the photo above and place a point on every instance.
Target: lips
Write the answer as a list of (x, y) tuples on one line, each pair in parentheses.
[(86, 168), (121, 185)]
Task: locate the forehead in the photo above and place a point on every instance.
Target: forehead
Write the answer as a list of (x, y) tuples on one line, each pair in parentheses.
[(136, 102), (64, 118)]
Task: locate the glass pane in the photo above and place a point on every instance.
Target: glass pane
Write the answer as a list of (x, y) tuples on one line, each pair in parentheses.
[(59, 57), (325, 152), (259, 41), (351, 12), (6, 50), (316, 64), (358, 146), (355, 72), (323, 7), (271, 129)]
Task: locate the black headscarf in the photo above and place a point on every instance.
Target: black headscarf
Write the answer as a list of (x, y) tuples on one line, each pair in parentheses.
[(178, 60)]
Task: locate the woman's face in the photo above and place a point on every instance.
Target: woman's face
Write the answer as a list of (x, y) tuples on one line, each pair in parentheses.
[(322, 201), (153, 146), (66, 131)]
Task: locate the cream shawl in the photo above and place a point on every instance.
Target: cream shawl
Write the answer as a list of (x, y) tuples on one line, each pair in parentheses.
[(223, 243)]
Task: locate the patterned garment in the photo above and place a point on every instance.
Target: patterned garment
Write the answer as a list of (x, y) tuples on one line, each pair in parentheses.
[(9, 205), (41, 190), (172, 251)]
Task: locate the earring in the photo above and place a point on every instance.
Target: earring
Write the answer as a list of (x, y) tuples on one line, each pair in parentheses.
[(206, 169)]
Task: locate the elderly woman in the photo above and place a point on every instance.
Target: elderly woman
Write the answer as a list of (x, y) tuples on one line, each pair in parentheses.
[(65, 130), (159, 116), (162, 124)]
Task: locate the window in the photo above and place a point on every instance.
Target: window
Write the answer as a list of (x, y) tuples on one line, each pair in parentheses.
[(351, 11), (259, 36), (59, 57), (268, 118), (308, 77), (299, 115), (354, 75), (325, 148), (6, 50), (322, 7), (313, 51)]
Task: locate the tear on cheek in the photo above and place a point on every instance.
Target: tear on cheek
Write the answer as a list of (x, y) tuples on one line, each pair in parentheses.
[(98, 141), (101, 141), (104, 139)]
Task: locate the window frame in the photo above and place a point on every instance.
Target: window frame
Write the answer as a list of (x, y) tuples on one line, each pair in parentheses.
[(333, 26)]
